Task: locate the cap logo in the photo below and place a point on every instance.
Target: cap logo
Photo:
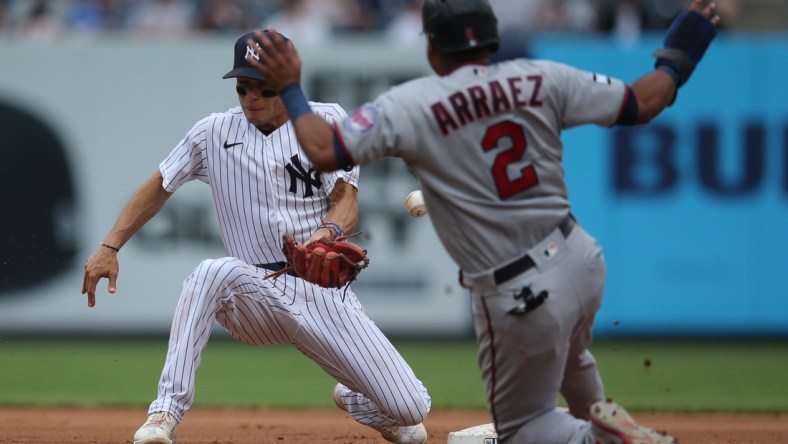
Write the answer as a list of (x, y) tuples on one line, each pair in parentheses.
[(250, 52), (470, 36)]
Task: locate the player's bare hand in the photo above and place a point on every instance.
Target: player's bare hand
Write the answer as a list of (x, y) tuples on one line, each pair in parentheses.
[(102, 264), (320, 233), (709, 11), (279, 62)]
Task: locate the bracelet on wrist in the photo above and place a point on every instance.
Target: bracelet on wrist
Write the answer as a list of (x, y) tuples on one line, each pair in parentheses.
[(115, 249), (333, 226)]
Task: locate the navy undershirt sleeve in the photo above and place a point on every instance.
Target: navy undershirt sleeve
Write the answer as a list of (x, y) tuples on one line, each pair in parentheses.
[(629, 110)]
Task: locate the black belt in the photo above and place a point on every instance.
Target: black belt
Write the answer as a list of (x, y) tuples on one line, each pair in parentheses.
[(525, 263), (276, 266)]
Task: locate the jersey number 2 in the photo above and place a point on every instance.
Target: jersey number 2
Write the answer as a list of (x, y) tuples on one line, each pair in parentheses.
[(509, 187)]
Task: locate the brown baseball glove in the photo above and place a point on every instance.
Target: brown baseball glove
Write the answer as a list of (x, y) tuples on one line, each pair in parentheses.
[(325, 262)]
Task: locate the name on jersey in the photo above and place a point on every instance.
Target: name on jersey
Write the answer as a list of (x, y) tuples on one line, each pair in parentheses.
[(479, 101)]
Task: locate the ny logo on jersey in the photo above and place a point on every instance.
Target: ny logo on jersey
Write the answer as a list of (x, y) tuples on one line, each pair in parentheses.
[(297, 171)]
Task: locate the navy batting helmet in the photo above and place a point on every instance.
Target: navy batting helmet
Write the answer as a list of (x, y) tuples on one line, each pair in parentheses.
[(460, 25)]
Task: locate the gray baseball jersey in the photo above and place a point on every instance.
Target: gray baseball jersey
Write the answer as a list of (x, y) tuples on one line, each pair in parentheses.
[(486, 134), (264, 187), (484, 142)]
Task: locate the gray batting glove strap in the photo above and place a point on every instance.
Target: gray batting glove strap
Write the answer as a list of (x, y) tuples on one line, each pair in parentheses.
[(676, 63), (686, 42)]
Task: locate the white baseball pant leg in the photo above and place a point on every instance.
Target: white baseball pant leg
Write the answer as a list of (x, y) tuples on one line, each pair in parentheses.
[(336, 334)]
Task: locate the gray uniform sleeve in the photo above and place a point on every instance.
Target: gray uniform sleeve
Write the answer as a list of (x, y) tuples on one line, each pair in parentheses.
[(349, 176), (585, 97), (379, 129)]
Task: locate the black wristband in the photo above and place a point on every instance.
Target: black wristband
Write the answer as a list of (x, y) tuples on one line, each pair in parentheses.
[(686, 41), (295, 102), (115, 249)]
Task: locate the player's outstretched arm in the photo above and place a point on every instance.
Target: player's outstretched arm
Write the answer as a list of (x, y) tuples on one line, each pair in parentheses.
[(146, 201), (280, 65), (685, 44), (315, 137)]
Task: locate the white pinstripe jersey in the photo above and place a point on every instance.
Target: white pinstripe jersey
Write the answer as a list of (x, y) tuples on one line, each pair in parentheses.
[(263, 186), (485, 143)]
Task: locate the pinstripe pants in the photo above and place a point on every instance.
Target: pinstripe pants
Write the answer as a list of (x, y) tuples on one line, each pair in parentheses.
[(329, 328)]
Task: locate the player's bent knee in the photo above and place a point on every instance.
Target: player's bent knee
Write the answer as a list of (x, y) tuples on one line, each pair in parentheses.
[(417, 412)]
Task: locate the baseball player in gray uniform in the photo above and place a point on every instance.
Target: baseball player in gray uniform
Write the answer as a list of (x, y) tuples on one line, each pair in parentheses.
[(484, 142), (263, 187)]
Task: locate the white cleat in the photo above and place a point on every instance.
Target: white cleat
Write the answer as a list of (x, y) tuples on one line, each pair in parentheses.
[(415, 434), (158, 429), (613, 425)]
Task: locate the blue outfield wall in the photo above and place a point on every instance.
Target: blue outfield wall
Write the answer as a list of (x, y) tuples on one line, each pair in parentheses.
[(691, 210)]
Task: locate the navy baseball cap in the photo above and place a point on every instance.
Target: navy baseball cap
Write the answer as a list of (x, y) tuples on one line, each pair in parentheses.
[(241, 67)]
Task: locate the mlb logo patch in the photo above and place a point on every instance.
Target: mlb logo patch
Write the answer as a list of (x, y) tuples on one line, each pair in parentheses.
[(363, 120), (551, 250)]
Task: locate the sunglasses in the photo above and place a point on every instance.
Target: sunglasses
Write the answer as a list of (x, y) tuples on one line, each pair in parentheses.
[(267, 93)]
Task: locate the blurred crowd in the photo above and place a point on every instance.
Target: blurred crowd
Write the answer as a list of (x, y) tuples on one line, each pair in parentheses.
[(310, 21)]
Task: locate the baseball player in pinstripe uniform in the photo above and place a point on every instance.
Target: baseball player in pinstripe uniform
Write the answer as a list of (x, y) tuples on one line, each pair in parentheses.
[(484, 141), (263, 186)]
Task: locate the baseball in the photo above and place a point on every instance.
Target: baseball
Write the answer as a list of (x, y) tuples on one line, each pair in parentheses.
[(414, 203)]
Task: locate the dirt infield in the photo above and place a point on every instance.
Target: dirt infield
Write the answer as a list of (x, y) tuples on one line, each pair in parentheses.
[(219, 426)]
